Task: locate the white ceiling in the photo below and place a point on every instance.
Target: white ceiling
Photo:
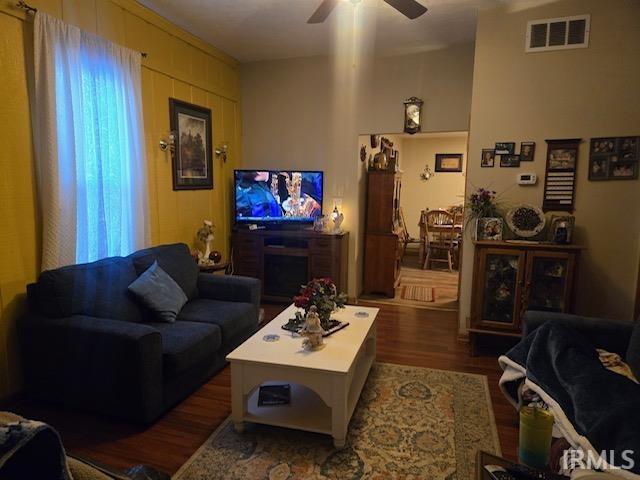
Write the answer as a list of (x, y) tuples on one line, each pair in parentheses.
[(251, 30)]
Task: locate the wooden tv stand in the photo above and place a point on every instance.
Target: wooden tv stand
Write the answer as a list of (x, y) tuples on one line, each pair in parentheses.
[(286, 259)]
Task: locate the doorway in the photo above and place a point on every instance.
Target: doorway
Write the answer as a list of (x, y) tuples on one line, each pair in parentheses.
[(429, 220)]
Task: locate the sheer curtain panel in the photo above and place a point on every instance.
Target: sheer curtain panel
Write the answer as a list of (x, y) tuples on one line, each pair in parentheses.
[(89, 145)]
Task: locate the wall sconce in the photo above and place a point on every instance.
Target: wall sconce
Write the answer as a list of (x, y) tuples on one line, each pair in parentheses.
[(167, 142), (426, 174), (222, 151)]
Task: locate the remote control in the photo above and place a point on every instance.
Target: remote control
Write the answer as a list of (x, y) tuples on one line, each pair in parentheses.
[(526, 473), (496, 472)]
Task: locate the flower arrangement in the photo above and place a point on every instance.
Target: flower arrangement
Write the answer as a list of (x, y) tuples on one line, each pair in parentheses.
[(482, 204), (323, 294)]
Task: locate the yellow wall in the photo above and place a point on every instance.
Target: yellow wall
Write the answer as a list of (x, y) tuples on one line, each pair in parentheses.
[(440, 191), (179, 65), (583, 93)]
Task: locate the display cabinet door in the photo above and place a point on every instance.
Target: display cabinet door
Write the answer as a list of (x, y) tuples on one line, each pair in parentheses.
[(500, 283), (549, 281)]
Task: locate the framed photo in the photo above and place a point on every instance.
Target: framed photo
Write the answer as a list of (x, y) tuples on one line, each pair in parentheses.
[(448, 162), (509, 160), (624, 171), (629, 149), (562, 159), (614, 158), (603, 145), (561, 228), (412, 115), (192, 159), (527, 151), (505, 148), (599, 167), (488, 158), (489, 229)]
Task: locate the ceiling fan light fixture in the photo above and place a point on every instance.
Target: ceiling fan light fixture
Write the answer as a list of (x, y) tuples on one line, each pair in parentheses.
[(409, 8)]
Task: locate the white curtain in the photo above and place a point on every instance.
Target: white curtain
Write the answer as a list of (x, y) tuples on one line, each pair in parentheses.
[(89, 147)]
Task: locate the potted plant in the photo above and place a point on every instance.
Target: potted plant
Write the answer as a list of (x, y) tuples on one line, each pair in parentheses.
[(482, 204), (322, 294)]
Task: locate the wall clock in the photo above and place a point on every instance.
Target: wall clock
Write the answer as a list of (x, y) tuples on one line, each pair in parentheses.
[(412, 115)]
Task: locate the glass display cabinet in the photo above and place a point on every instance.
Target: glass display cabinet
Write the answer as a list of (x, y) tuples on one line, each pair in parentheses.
[(510, 278)]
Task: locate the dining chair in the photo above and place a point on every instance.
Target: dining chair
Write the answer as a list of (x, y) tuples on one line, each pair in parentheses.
[(439, 239), (458, 222), (406, 238)]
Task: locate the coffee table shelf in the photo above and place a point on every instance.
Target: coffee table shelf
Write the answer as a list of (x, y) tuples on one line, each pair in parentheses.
[(306, 411)]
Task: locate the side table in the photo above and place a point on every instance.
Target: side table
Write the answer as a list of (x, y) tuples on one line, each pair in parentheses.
[(216, 267)]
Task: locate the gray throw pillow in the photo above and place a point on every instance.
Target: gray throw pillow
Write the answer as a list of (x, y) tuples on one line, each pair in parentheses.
[(159, 292)]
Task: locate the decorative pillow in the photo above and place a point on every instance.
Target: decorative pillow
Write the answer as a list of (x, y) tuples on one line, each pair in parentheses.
[(159, 292)]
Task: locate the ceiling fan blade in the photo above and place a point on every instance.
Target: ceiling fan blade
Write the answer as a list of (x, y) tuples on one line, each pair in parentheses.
[(323, 11), (409, 8)]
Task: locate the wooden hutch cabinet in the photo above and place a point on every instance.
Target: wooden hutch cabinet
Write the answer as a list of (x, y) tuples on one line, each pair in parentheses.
[(383, 245), (512, 277)]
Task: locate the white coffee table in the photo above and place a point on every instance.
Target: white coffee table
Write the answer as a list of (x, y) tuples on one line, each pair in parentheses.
[(325, 384)]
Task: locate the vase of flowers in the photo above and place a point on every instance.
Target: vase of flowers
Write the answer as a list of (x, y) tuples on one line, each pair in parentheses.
[(322, 294), (481, 204)]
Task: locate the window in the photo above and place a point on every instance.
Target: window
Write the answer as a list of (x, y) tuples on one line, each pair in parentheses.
[(88, 91)]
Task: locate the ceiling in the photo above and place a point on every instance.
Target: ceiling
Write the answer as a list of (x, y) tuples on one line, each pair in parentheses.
[(252, 30)]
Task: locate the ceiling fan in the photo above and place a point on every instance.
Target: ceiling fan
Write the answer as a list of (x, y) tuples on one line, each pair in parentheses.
[(409, 8)]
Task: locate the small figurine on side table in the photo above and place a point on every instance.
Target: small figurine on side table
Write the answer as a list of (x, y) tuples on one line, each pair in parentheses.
[(312, 331)]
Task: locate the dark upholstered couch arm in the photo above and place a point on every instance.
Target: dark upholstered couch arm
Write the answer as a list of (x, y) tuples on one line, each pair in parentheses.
[(610, 335), (113, 366), (230, 288)]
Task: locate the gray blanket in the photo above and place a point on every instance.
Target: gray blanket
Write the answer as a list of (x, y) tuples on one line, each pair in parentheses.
[(595, 409), (30, 449)]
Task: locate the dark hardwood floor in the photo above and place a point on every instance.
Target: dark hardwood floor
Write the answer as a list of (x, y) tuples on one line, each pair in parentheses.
[(406, 335)]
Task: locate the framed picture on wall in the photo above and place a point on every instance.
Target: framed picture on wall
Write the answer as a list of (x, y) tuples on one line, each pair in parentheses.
[(488, 158), (509, 160), (527, 151), (448, 162), (560, 175), (614, 158), (192, 160), (505, 148)]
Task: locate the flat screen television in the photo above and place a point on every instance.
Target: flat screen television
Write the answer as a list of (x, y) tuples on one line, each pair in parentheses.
[(277, 196)]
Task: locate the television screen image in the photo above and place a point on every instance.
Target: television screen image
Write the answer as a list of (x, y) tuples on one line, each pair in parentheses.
[(278, 195)]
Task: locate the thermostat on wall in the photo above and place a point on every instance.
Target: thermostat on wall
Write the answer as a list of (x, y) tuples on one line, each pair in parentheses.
[(527, 178)]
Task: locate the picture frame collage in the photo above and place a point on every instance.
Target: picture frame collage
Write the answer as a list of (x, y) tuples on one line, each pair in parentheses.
[(508, 157), (614, 158)]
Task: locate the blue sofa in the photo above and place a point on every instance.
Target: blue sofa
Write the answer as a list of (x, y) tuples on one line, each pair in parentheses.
[(88, 344)]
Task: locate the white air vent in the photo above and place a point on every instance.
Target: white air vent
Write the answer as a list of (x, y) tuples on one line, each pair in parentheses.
[(558, 33)]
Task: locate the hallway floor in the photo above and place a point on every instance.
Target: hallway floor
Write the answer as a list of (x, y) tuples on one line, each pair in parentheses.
[(444, 285)]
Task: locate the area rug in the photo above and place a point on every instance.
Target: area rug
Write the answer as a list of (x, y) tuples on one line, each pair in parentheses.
[(410, 423), (420, 293)]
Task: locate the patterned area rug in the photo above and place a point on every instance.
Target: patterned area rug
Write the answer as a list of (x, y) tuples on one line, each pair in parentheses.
[(420, 293), (410, 423)]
